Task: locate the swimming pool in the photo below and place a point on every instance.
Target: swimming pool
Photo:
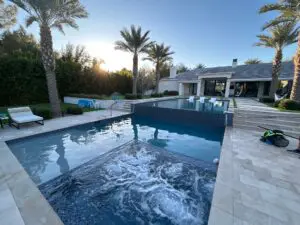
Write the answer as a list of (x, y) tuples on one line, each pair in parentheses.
[(218, 107), (130, 170)]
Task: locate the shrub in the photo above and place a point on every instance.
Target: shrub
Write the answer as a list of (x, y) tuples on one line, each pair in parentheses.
[(92, 96), (132, 96), (74, 110), (289, 104), (173, 93), (155, 95), (266, 99), (43, 112)]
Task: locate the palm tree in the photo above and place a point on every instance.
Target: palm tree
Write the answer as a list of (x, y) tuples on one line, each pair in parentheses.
[(159, 54), (7, 15), (51, 14), (289, 12), (281, 35), (136, 43), (252, 61)]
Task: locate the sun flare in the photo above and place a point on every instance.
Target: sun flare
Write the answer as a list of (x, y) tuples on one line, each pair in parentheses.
[(113, 59)]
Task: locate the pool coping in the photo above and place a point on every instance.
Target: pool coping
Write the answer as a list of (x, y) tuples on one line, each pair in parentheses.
[(217, 213), (25, 204)]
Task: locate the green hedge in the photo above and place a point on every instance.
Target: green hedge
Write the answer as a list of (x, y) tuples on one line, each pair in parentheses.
[(23, 81), (289, 104), (74, 110), (171, 93), (266, 99), (92, 96), (43, 112), (132, 96), (159, 95)]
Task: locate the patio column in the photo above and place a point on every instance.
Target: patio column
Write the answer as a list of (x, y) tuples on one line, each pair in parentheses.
[(199, 86), (227, 88), (261, 86), (181, 89)]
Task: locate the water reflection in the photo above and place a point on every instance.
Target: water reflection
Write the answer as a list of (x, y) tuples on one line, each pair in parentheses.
[(218, 107), (62, 162), (47, 156)]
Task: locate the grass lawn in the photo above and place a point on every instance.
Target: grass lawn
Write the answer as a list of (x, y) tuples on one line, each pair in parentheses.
[(64, 107)]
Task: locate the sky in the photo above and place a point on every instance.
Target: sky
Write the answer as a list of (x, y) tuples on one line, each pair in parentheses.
[(211, 32)]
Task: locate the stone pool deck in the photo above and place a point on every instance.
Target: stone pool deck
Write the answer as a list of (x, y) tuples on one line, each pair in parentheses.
[(257, 184), (21, 203)]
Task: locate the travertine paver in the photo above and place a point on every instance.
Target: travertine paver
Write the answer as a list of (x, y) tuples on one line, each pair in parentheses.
[(9, 212), (20, 200), (256, 183)]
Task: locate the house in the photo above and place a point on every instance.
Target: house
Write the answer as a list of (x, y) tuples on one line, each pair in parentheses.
[(237, 80)]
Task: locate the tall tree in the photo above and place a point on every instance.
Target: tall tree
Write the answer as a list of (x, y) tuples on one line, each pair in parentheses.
[(77, 54), (280, 36), (7, 15), (136, 43), (252, 61), (289, 12), (181, 68), (200, 66), (51, 14), (158, 55)]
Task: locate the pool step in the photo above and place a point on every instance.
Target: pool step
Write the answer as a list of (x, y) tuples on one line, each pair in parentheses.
[(269, 120), (123, 107), (251, 119), (273, 126), (255, 128)]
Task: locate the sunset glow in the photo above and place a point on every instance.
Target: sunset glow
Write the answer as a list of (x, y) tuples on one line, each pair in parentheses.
[(113, 59)]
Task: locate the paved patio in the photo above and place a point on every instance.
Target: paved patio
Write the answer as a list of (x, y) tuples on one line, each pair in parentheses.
[(256, 183), (21, 201)]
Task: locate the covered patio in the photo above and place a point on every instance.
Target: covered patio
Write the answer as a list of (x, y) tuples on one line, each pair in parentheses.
[(210, 85)]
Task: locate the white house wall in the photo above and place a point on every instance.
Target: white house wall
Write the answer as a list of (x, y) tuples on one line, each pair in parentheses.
[(168, 85)]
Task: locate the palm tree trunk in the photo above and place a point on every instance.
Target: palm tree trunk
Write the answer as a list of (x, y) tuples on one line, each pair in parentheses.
[(157, 78), (135, 73), (275, 73), (49, 65), (295, 95)]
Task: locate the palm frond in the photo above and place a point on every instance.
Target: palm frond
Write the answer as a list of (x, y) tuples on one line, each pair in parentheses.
[(134, 40), (30, 20), (53, 13), (272, 7), (280, 35), (120, 45)]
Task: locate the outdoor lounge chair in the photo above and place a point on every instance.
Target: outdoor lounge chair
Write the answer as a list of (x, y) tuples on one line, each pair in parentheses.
[(191, 99), (202, 100), (23, 115), (213, 100)]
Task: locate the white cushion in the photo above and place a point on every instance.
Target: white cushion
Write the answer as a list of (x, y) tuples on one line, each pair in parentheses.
[(23, 115), (26, 119)]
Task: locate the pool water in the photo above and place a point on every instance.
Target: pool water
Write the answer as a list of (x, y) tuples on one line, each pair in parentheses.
[(134, 184), (219, 107), (47, 156), (130, 170)]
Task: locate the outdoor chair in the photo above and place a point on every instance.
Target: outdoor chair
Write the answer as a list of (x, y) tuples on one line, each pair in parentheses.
[(22, 115), (191, 99), (213, 100), (202, 100)]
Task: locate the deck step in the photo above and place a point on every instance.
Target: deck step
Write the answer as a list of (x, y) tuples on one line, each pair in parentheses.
[(255, 128)]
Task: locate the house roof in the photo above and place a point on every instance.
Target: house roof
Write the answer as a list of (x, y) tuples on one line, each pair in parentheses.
[(262, 71)]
